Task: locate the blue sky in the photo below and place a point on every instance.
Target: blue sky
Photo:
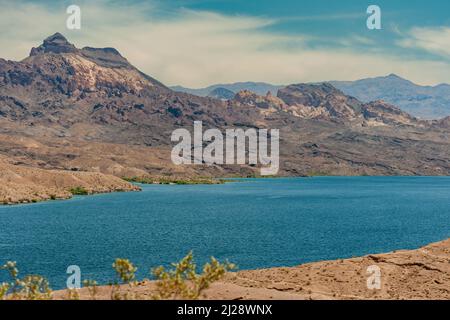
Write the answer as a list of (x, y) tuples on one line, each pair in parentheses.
[(200, 42)]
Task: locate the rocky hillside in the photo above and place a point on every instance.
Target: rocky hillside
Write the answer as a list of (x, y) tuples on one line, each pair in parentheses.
[(91, 110)]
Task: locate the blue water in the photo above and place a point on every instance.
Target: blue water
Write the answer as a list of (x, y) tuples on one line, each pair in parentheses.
[(254, 223)]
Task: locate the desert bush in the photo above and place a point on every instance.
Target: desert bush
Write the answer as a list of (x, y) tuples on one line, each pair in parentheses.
[(35, 287), (183, 282), (125, 270), (31, 287), (4, 287), (126, 275)]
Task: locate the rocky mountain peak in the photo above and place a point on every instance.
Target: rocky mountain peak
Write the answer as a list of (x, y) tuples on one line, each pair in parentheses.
[(250, 98), (56, 43), (56, 38), (78, 73), (393, 76), (313, 95), (245, 94)]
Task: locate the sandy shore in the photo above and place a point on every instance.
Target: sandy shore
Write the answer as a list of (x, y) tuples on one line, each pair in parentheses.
[(414, 274)]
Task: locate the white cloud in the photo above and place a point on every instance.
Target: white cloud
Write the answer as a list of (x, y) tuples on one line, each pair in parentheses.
[(435, 40), (200, 48)]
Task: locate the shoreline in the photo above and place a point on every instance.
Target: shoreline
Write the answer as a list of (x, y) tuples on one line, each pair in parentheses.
[(21, 184), (46, 191), (422, 273)]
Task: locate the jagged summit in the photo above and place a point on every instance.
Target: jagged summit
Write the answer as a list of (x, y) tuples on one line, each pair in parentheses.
[(56, 37), (56, 43)]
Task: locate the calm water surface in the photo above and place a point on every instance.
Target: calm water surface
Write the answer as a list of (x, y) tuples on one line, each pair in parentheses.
[(254, 223)]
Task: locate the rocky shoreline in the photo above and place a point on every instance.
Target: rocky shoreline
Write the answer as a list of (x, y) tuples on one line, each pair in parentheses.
[(23, 184), (418, 274)]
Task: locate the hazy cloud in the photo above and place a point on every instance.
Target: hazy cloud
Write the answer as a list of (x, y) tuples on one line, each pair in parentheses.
[(195, 48), (435, 40)]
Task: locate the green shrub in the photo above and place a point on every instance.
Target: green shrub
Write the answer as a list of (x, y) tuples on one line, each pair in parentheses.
[(79, 191)]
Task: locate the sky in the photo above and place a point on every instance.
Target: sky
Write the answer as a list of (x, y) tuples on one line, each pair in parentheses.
[(196, 43)]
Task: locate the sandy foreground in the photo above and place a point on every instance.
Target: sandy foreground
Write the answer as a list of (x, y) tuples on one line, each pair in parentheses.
[(415, 274)]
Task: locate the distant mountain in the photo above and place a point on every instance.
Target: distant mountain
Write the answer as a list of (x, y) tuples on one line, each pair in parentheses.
[(260, 88), (425, 102), (221, 93)]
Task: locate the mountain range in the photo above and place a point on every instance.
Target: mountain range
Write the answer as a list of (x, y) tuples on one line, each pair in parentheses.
[(260, 88), (91, 110), (425, 102)]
